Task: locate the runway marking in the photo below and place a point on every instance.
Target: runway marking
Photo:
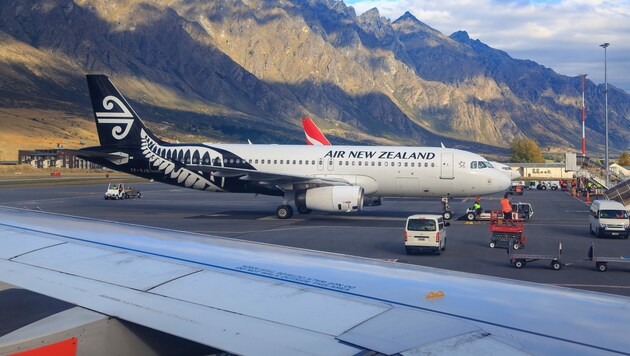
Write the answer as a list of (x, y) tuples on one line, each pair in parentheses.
[(590, 286), (236, 233), (375, 218)]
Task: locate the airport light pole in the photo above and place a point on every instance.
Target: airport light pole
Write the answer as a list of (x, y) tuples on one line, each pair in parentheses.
[(604, 46)]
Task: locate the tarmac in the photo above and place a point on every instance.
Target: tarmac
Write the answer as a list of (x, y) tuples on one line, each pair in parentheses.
[(376, 232)]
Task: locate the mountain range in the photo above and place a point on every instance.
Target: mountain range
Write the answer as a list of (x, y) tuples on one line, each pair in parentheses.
[(235, 70)]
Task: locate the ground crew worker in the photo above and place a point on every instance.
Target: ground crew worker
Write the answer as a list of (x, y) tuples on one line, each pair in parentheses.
[(477, 207), (506, 207)]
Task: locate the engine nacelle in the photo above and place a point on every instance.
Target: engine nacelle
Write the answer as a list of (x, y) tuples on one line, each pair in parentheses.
[(335, 198)]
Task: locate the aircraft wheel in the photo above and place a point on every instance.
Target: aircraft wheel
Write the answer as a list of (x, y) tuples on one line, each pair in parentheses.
[(601, 266), (556, 265), (447, 215), (470, 216), (284, 212), (519, 263)]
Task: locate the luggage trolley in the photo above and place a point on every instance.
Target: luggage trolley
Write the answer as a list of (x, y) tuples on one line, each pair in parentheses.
[(519, 260), (506, 232)]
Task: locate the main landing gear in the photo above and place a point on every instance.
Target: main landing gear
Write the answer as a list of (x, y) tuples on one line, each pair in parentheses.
[(447, 213), (284, 211)]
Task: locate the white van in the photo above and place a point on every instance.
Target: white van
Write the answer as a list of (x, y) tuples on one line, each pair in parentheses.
[(609, 218), (425, 233)]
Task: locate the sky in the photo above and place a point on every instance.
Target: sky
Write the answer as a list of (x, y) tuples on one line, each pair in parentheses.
[(563, 35)]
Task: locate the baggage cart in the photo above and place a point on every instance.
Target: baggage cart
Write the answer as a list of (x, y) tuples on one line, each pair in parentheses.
[(519, 260), (601, 263)]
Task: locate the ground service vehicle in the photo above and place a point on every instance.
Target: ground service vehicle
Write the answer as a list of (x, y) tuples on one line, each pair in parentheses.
[(609, 218), (506, 232), (119, 191), (525, 212), (425, 233)]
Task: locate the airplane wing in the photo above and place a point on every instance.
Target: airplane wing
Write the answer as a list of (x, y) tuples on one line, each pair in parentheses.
[(266, 177), (252, 298)]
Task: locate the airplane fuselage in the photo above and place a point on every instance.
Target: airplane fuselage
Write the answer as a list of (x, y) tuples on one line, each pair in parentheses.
[(382, 170)]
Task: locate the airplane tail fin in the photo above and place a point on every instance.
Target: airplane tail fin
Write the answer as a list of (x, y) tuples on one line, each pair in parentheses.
[(313, 134), (116, 122)]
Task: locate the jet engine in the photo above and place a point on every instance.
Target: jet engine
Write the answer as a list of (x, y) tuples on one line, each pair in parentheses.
[(335, 198)]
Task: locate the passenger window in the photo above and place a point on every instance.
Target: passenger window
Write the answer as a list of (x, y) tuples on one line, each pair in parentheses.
[(293, 161), (256, 161), (432, 164), (300, 161), (379, 164), (359, 163), (406, 164), (373, 163), (281, 161), (426, 164), (275, 161)]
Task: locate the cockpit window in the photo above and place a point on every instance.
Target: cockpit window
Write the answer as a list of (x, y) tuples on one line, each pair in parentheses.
[(473, 164)]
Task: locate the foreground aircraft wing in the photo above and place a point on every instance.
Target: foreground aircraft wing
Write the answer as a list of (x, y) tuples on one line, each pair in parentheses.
[(258, 299), (265, 177)]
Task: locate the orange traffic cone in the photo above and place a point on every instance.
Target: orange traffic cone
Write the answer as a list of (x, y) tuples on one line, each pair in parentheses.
[(588, 198)]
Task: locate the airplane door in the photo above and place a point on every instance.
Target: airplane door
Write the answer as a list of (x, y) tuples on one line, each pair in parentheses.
[(320, 164), (446, 169)]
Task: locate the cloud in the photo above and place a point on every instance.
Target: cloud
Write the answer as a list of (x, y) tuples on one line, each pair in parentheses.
[(563, 34)]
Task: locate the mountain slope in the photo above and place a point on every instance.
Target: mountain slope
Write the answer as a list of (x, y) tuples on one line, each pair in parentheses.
[(234, 70)]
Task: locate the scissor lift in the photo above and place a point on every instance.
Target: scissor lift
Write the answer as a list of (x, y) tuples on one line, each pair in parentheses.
[(506, 232)]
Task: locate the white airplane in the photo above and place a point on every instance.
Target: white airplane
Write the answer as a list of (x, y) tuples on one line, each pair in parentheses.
[(250, 298), (323, 178)]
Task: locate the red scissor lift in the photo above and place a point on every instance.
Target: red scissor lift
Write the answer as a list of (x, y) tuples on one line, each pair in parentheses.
[(506, 232)]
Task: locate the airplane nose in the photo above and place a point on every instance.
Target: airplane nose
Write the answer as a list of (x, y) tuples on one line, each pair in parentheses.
[(504, 181)]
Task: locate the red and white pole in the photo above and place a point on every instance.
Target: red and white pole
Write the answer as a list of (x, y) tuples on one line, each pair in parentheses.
[(583, 118)]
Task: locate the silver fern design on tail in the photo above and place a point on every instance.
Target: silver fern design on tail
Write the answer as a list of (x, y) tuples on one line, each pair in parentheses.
[(161, 159)]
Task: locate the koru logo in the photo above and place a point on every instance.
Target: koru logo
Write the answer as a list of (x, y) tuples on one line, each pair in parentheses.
[(462, 164), (123, 118)]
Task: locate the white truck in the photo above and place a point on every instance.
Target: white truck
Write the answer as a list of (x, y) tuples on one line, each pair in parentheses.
[(425, 233), (117, 191)]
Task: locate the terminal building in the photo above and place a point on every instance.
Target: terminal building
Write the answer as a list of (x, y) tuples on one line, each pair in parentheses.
[(57, 157)]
